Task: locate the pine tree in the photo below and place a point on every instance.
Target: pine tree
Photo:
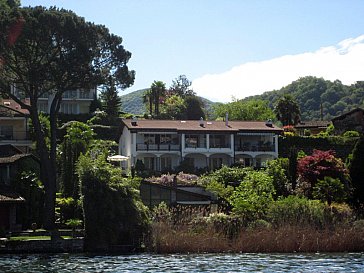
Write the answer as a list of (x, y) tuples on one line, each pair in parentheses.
[(111, 101)]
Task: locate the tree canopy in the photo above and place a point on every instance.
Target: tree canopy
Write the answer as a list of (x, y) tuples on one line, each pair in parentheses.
[(245, 110), (318, 97), (181, 86), (47, 52), (287, 110)]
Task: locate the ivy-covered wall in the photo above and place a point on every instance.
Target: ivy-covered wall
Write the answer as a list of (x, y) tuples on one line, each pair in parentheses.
[(342, 146)]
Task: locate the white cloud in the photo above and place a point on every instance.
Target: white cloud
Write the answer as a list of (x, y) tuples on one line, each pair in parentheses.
[(345, 62)]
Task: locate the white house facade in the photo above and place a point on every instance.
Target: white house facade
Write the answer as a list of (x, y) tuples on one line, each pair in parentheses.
[(73, 101), (164, 144)]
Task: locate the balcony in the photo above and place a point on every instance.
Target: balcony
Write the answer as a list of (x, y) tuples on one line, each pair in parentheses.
[(157, 147), (220, 146), (256, 147), (14, 136)]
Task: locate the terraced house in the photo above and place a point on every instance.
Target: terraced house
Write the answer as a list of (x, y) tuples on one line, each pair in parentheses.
[(164, 144)]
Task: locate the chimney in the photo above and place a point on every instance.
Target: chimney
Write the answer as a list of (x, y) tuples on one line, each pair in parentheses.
[(202, 122), (226, 119), (134, 121), (269, 123)]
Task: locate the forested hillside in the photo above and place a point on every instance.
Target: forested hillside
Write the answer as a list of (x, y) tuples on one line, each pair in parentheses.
[(133, 103), (310, 92)]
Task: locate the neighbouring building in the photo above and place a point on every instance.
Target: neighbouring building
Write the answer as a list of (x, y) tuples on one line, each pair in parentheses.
[(314, 127), (164, 144), (153, 194), (11, 161), (14, 125), (350, 121), (73, 101)]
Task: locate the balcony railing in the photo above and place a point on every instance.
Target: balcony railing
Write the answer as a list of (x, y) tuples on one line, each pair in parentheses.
[(14, 136), (220, 146), (255, 148), (195, 146), (157, 147)]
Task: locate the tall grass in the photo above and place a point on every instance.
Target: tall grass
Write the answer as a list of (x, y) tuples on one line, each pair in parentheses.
[(167, 239), (193, 230)]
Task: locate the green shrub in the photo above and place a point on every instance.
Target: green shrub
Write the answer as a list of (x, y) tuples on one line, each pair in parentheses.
[(277, 169), (297, 211), (253, 196), (351, 134), (259, 224), (113, 211), (329, 189)]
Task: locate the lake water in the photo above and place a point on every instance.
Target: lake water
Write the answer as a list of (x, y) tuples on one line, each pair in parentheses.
[(62, 263)]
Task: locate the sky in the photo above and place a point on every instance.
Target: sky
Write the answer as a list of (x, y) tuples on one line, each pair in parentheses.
[(231, 49)]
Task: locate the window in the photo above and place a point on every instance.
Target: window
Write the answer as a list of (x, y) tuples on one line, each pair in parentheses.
[(247, 162), (85, 94), (219, 141), (68, 108), (216, 163), (6, 132), (166, 163), (195, 141), (149, 139), (43, 107), (149, 163), (4, 175), (71, 94)]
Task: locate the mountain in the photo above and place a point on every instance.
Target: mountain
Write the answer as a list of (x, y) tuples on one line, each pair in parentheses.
[(133, 103), (314, 93)]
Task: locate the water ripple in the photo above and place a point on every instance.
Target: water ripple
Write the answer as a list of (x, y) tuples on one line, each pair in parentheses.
[(150, 263)]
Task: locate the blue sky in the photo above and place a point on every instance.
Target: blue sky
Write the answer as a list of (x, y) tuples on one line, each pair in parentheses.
[(232, 48)]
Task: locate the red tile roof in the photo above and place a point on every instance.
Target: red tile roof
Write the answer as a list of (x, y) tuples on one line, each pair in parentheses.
[(348, 113), (194, 125), (313, 124), (17, 110)]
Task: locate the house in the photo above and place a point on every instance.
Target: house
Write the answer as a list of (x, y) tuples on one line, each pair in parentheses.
[(153, 194), (350, 121), (11, 161), (14, 125), (163, 144), (73, 101), (313, 126)]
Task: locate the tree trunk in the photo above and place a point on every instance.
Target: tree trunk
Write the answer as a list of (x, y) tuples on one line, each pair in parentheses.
[(47, 173)]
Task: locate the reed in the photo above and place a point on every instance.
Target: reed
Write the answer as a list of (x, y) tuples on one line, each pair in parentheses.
[(183, 239)]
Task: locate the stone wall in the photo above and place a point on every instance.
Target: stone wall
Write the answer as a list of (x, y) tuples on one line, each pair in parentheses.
[(43, 246)]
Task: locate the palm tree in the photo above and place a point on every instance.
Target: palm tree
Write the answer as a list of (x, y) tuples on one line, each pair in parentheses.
[(158, 89), (287, 110), (147, 98)]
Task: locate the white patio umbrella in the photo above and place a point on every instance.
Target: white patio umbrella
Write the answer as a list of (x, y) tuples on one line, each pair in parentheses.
[(117, 158)]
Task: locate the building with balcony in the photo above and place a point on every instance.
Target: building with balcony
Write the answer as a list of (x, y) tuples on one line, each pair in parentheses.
[(14, 125), (163, 144), (73, 101)]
